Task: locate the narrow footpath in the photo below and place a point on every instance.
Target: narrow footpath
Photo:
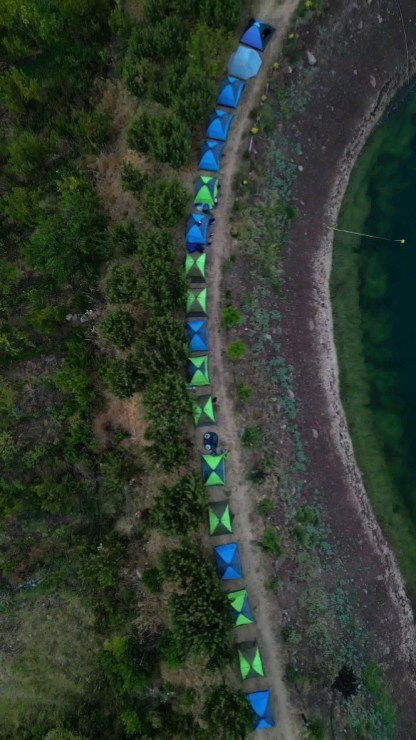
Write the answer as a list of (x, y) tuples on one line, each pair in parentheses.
[(266, 628)]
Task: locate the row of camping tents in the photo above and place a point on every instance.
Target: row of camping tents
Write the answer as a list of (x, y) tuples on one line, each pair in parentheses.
[(244, 64)]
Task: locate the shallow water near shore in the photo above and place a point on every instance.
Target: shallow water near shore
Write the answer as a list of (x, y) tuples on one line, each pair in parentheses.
[(373, 288)]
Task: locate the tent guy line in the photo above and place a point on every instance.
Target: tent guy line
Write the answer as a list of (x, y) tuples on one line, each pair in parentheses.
[(243, 65)]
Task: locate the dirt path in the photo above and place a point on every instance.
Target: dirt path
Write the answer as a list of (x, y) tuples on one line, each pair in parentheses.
[(266, 619)]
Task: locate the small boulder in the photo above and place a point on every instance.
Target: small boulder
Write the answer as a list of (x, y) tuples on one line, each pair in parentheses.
[(311, 58)]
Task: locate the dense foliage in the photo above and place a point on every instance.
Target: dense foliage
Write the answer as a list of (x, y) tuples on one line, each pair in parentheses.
[(81, 666)]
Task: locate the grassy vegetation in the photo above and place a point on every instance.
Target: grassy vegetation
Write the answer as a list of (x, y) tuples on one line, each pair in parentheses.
[(82, 647)]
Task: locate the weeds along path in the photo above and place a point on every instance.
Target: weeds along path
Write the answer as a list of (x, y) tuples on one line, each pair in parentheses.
[(241, 500)]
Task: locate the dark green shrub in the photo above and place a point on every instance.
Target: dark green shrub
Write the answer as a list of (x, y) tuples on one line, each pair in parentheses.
[(180, 508), (69, 240), (153, 580), (171, 139), (90, 129), (218, 13), (139, 136), (231, 316), (228, 714), (195, 96), (236, 350), (122, 376), (122, 238), (162, 286), (271, 542), (121, 285), (291, 635), (132, 179), (161, 346), (265, 507), (199, 610), (118, 327), (28, 152), (244, 392), (252, 436), (167, 410), (165, 202)]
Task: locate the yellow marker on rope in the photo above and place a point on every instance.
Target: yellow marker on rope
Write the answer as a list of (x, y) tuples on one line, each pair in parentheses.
[(370, 236)]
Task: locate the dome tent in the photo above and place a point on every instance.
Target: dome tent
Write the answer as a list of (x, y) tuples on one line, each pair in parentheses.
[(195, 267), (244, 63), (260, 703), (228, 561), (257, 34), (197, 228), (231, 92), (251, 664), (220, 519), (213, 470), (206, 191), (219, 125), (196, 300), (211, 154), (198, 371), (203, 411), (197, 333), (241, 612)]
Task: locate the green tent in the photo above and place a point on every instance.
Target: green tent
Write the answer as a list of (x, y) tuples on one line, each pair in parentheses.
[(196, 300), (195, 266), (203, 410), (198, 372), (241, 612), (251, 665), (206, 191), (213, 470), (220, 519)]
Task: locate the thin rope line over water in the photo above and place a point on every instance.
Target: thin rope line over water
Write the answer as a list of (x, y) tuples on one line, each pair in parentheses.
[(370, 236)]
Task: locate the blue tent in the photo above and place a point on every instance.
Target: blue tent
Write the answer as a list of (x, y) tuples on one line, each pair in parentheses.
[(219, 125), (228, 562), (211, 156), (244, 63), (197, 228), (197, 332), (260, 703), (257, 35), (231, 92)]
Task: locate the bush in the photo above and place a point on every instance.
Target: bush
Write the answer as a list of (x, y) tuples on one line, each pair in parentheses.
[(160, 347), (121, 286), (132, 179), (90, 129), (265, 507), (244, 392), (167, 410), (28, 153), (162, 287), (195, 96), (252, 436), (153, 580), (228, 714), (271, 542), (165, 202), (199, 610), (231, 316), (119, 327), (164, 135), (291, 635), (181, 507), (139, 136), (236, 350), (69, 240), (123, 376), (122, 237)]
